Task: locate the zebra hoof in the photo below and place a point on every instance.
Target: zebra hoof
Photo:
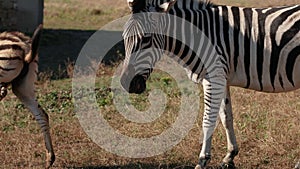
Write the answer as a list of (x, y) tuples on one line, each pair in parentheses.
[(202, 163), (198, 167), (297, 166), (50, 160), (229, 165)]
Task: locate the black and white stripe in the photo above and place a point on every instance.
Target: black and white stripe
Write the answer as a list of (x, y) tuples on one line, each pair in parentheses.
[(18, 68), (254, 48)]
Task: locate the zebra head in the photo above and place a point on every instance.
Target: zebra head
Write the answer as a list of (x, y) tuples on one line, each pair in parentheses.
[(144, 40)]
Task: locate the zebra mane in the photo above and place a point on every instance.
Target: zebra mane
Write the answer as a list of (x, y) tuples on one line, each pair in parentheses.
[(207, 3), (133, 27), (138, 6), (203, 4)]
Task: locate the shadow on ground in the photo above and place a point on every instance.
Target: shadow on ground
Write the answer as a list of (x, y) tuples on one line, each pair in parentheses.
[(145, 166), (59, 48), (137, 166)]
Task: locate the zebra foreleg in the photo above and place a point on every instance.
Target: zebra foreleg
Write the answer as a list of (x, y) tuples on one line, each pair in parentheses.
[(227, 121), (214, 91), (26, 94)]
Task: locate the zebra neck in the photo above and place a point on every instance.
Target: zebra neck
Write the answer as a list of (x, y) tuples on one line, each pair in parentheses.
[(185, 56)]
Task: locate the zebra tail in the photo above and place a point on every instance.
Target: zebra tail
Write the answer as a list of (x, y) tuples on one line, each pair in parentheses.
[(35, 41)]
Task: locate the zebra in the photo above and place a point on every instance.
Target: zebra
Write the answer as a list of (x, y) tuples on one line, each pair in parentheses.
[(19, 68), (255, 48)]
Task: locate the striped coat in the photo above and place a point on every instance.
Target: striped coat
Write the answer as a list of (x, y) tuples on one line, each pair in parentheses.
[(252, 48)]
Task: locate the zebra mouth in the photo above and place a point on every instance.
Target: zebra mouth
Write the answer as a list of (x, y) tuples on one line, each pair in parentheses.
[(137, 85), (134, 82)]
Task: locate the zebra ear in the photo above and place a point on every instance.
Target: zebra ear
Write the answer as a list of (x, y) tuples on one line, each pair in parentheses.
[(165, 7), (136, 5)]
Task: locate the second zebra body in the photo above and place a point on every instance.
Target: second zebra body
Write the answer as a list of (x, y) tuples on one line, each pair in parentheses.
[(19, 68)]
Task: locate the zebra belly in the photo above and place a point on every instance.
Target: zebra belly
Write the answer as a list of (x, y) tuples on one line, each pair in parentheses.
[(10, 69), (269, 89), (284, 81)]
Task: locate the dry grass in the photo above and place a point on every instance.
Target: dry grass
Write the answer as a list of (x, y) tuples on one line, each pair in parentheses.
[(85, 15), (93, 14), (267, 129), (267, 125), (256, 3)]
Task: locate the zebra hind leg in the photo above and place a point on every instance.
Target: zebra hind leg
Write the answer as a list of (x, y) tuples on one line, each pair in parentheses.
[(26, 94)]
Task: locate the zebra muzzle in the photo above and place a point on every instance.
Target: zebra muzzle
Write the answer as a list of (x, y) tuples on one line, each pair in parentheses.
[(137, 85), (133, 82)]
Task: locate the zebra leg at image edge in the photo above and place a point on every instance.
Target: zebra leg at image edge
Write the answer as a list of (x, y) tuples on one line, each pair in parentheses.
[(297, 166), (214, 91), (27, 96), (227, 121), (3, 90)]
